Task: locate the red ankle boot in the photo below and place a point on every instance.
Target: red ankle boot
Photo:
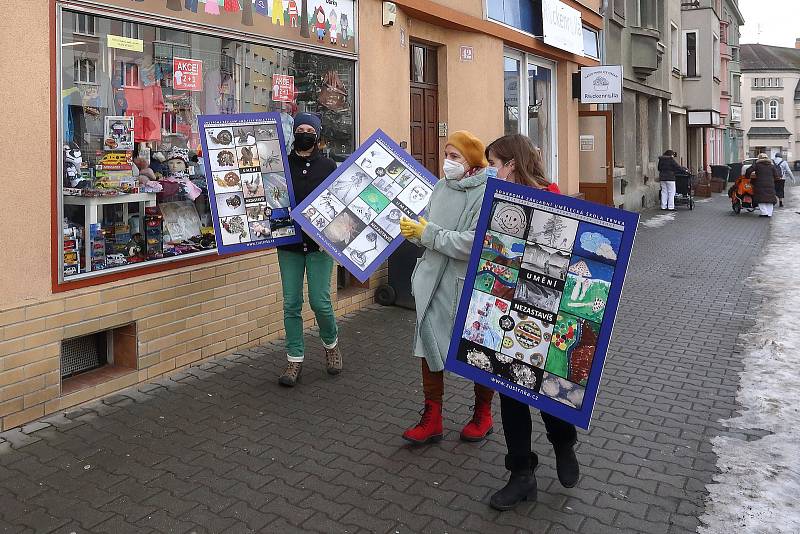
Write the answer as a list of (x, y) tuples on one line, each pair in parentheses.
[(481, 424), (429, 428)]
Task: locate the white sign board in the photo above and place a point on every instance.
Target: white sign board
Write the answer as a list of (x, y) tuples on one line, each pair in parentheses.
[(601, 85), (587, 143), (736, 114), (562, 26)]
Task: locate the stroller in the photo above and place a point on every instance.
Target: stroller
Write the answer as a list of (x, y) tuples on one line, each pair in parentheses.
[(684, 190), (741, 195)]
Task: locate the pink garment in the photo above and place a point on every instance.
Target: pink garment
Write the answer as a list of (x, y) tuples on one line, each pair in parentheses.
[(145, 105), (191, 190), (212, 7)]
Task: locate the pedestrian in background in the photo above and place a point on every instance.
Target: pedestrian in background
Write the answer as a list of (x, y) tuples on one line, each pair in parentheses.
[(518, 160), (786, 174), (764, 184), (438, 278), (668, 166), (308, 168)]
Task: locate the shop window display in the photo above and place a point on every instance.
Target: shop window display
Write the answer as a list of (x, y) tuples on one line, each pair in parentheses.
[(132, 188)]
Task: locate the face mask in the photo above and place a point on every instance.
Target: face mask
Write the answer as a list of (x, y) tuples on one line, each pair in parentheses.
[(305, 141), (491, 172), (453, 170)]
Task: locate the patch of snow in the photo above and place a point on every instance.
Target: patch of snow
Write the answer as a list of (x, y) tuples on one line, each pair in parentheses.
[(758, 488), (658, 221)]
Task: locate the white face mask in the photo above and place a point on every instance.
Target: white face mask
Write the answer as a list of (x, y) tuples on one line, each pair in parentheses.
[(453, 170)]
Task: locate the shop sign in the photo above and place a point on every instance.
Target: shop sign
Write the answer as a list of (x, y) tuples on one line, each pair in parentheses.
[(125, 43), (187, 74), (736, 114), (562, 26), (587, 143), (601, 85), (467, 53), (355, 213), (282, 88), (327, 24), (541, 293)]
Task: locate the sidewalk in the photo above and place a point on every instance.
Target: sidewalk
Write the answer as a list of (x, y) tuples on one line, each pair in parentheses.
[(223, 448)]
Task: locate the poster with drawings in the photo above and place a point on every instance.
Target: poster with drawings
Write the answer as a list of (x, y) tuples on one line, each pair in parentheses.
[(355, 213), (541, 293), (250, 193)]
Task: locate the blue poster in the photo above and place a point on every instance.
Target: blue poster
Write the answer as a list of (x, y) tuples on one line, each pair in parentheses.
[(249, 185), (540, 297), (355, 213)]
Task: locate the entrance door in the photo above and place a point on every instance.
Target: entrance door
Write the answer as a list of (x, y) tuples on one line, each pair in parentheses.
[(425, 107), (596, 157)]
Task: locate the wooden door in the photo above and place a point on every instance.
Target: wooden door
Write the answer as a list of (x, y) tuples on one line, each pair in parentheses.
[(425, 107), (596, 157)]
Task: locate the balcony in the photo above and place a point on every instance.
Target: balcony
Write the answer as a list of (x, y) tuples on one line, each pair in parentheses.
[(646, 53)]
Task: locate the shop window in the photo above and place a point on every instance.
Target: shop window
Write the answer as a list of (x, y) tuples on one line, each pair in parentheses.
[(759, 109), (539, 111), (511, 98), (115, 219), (773, 110)]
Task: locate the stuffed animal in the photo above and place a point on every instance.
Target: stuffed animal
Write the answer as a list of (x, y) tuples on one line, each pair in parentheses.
[(147, 178)]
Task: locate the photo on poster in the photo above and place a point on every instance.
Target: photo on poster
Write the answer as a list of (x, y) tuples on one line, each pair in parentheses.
[(554, 231), (244, 135), (503, 249), (343, 229), (572, 348), (317, 219), (395, 169), (282, 227), (223, 160), (387, 186), (528, 340), (269, 153), (227, 182), (365, 248), (253, 185), (257, 211), (536, 296), (230, 204), (350, 184), (598, 243), (545, 260), (260, 230), (235, 230), (364, 211), (248, 157), (375, 160), (509, 219), (389, 220), (374, 198), (562, 391), (586, 289), (497, 280), (482, 325), (219, 137), (328, 205), (266, 132), (276, 190), (415, 196)]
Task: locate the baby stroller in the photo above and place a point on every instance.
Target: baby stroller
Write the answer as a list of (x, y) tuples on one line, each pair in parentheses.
[(684, 190), (741, 195)]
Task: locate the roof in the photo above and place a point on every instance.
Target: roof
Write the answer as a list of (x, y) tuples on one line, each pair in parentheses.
[(768, 131), (765, 57)]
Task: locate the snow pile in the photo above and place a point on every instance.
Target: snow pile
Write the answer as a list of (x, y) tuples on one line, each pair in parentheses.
[(658, 221), (758, 489)]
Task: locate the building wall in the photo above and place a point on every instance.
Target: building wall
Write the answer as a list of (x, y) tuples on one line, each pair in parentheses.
[(788, 115)]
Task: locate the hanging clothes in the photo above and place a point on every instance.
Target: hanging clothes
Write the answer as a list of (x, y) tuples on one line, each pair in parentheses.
[(232, 5), (191, 5), (212, 7), (145, 105)]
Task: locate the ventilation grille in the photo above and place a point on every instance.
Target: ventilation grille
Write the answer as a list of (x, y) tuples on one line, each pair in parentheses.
[(83, 354)]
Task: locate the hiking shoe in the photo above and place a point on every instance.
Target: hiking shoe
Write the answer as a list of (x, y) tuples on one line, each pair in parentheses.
[(333, 360), (291, 375)]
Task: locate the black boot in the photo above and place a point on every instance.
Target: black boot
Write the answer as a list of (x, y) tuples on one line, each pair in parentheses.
[(566, 463), (521, 485)]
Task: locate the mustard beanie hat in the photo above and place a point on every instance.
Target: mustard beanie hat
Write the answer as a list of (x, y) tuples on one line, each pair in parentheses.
[(470, 147)]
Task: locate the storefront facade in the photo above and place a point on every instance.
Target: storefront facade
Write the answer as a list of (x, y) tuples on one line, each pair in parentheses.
[(129, 278)]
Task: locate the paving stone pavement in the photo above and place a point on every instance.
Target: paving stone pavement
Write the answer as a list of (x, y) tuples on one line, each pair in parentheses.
[(222, 448)]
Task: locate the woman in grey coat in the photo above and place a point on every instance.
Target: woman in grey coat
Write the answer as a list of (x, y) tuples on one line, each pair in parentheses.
[(438, 279)]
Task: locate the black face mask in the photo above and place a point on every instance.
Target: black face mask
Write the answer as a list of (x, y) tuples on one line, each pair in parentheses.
[(304, 141)]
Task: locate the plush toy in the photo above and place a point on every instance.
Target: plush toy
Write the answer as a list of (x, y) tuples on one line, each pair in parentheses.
[(73, 159), (147, 178)]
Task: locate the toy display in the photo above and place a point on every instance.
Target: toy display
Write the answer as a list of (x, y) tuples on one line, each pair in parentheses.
[(543, 284)]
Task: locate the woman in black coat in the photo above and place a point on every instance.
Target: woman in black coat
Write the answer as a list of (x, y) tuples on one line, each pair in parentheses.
[(764, 184)]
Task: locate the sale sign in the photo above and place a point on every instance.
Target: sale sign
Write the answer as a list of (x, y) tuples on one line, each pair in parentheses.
[(187, 74), (282, 88)]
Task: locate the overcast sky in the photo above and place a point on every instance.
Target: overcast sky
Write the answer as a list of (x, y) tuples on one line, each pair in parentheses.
[(777, 20)]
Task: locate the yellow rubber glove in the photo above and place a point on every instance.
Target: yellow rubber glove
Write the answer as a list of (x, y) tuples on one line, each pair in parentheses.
[(410, 228)]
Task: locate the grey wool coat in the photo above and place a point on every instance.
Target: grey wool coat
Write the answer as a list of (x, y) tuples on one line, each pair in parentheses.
[(438, 278)]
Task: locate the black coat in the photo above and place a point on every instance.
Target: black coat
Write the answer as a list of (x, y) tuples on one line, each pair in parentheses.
[(307, 174), (667, 168), (764, 181)]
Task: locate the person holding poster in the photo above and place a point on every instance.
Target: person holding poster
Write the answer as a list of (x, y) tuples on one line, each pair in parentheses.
[(517, 160), (438, 278), (308, 168)]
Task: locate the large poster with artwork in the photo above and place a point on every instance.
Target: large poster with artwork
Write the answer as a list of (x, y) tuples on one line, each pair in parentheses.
[(355, 213), (540, 297), (249, 185), (324, 23)]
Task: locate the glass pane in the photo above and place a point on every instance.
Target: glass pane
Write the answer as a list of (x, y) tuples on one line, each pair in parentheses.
[(417, 64), (511, 95), (539, 119), (590, 48)]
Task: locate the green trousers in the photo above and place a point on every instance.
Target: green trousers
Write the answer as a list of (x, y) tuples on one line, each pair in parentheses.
[(319, 266)]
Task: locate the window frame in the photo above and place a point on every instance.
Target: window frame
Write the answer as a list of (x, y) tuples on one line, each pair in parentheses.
[(87, 18), (758, 102), (773, 105), (685, 55), (675, 47), (128, 27), (715, 50), (78, 69)]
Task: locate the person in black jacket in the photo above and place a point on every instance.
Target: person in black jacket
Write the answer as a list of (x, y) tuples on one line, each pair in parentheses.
[(766, 174), (308, 168), (667, 168)]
